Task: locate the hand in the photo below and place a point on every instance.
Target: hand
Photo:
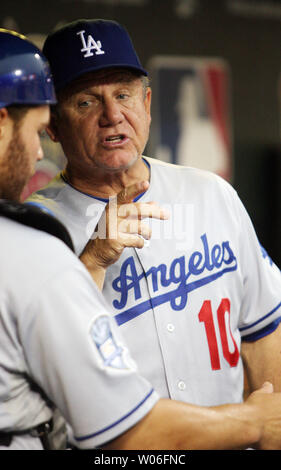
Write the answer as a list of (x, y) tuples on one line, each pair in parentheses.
[(123, 227), (268, 411)]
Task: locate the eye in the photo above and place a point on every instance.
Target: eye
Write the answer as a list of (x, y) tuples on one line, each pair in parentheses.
[(84, 104), (123, 96)]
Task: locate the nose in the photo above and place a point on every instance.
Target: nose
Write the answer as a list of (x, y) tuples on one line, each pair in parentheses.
[(111, 113)]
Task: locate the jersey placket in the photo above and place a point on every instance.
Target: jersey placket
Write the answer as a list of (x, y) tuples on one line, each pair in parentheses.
[(169, 332)]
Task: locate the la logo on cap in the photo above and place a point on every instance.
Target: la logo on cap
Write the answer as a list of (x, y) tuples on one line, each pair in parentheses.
[(90, 45)]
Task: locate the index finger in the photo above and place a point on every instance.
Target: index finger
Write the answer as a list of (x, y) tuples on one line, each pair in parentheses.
[(142, 211)]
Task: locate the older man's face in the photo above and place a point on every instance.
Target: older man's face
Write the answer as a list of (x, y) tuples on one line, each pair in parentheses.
[(104, 120)]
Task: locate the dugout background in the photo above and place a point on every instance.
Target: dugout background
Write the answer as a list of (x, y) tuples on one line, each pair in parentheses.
[(245, 33)]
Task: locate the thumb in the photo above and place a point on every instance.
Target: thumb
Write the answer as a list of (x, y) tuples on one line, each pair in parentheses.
[(267, 387), (129, 193)]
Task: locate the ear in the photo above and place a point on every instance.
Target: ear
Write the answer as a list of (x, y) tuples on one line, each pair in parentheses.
[(4, 116), (52, 129), (6, 131), (147, 102)]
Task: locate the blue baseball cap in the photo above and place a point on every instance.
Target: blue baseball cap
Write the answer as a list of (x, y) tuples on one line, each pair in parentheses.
[(88, 46)]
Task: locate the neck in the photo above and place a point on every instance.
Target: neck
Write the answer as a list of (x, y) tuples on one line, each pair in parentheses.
[(100, 183)]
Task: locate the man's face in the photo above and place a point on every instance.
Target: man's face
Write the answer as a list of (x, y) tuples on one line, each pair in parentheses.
[(23, 150), (104, 120)]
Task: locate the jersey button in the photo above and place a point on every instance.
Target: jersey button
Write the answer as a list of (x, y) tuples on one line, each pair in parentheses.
[(181, 385), (170, 327)]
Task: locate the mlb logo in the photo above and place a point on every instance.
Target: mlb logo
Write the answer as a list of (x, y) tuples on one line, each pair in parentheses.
[(191, 121)]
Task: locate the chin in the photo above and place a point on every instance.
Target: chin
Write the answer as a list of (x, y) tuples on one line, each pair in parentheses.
[(119, 163)]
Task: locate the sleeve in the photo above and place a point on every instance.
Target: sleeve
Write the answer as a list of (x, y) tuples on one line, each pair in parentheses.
[(75, 354), (261, 303)]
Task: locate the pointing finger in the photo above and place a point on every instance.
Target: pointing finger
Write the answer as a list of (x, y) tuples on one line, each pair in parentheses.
[(142, 211)]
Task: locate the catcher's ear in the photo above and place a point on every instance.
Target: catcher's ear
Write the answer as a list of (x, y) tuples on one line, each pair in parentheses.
[(4, 116), (6, 131)]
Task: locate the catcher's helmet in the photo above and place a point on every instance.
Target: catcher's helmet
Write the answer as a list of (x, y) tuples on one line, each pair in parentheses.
[(25, 77)]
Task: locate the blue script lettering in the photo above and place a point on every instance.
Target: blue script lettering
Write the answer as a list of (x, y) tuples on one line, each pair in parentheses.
[(126, 282), (216, 261)]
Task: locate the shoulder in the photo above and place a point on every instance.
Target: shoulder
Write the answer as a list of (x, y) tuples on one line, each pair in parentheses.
[(53, 191), (194, 177), (61, 199), (32, 250), (36, 262)]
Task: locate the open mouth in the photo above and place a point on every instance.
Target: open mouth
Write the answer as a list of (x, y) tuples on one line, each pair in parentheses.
[(115, 138)]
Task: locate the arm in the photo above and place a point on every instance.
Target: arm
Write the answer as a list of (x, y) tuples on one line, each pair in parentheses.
[(262, 360), (178, 426), (83, 320)]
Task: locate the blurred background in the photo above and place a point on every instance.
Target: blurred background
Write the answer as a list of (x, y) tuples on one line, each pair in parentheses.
[(215, 74)]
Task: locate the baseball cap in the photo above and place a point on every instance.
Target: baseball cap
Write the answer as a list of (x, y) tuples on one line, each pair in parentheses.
[(89, 45)]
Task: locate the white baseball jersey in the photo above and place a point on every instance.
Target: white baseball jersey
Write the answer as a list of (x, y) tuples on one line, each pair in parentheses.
[(201, 284), (56, 332)]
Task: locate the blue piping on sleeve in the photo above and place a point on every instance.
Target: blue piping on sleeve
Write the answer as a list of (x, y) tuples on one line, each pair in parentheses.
[(263, 332), (89, 436)]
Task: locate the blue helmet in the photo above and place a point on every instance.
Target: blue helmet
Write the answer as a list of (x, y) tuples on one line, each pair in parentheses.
[(25, 77)]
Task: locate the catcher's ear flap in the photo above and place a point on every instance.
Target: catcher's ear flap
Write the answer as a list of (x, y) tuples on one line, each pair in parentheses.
[(33, 216)]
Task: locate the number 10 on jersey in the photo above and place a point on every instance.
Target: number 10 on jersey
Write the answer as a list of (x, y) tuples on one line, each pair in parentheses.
[(223, 315)]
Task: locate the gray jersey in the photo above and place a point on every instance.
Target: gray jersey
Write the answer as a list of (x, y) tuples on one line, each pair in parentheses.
[(201, 284), (59, 346)]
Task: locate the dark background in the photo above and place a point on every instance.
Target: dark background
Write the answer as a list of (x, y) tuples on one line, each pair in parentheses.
[(250, 42)]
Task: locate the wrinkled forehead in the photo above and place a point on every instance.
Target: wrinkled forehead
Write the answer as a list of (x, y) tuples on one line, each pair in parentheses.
[(101, 77)]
